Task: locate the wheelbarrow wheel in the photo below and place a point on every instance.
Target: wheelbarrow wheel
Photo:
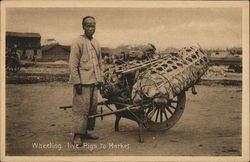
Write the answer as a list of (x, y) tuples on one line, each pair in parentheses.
[(164, 116), (16, 67), (13, 65)]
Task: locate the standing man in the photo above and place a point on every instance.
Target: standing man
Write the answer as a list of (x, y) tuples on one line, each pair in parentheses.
[(85, 64)]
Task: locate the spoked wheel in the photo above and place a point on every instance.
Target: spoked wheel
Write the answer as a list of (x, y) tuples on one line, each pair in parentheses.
[(10, 67), (164, 116), (13, 65), (16, 67)]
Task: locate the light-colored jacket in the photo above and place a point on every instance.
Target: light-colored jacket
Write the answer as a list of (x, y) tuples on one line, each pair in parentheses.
[(85, 67)]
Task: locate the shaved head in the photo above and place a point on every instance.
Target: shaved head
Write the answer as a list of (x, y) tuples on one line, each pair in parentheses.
[(88, 25), (86, 19)]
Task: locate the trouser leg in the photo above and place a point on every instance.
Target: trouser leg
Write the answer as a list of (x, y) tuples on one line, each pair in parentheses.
[(80, 110), (93, 107)]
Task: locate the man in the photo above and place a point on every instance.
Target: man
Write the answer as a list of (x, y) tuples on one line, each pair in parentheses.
[(15, 53), (85, 64)]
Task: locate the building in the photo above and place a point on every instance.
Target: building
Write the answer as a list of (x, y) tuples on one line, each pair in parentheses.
[(28, 44), (55, 52), (49, 41)]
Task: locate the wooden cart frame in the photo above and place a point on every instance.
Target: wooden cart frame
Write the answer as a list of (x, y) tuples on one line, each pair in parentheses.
[(152, 116)]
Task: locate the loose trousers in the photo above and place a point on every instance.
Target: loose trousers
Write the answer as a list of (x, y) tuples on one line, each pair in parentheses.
[(84, 105)]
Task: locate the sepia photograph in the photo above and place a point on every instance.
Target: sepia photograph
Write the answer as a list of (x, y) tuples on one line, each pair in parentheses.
[(131, 79)]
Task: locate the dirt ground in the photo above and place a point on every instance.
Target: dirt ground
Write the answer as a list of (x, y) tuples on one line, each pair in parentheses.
[(209, 126)]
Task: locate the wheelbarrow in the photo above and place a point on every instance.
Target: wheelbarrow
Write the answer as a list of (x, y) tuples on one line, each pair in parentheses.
[(151, 92)]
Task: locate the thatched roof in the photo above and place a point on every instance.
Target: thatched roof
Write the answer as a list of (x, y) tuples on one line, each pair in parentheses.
[(16, 34), (51, 46), (105, 50)]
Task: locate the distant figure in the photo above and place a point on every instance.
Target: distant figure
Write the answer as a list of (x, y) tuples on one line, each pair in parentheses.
[(13, 61), (14, 53), (85, 64)]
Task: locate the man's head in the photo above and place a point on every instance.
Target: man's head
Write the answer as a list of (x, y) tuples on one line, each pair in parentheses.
[(88, 25)]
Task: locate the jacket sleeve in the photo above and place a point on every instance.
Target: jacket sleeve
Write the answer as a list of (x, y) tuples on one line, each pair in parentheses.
[(100, 60), (74, 61)]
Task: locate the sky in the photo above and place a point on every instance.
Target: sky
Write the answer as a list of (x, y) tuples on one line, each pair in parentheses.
[(164, 27)]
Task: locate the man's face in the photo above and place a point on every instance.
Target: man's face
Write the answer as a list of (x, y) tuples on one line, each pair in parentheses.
[(89, 27)]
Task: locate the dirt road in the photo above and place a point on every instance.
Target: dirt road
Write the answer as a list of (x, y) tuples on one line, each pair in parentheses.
[(209, 126)]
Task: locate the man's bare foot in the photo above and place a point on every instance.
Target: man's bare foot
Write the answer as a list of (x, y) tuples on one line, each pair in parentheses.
[(77, 141)]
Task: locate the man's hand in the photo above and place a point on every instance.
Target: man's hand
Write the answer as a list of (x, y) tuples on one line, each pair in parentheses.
[(78, 88)]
